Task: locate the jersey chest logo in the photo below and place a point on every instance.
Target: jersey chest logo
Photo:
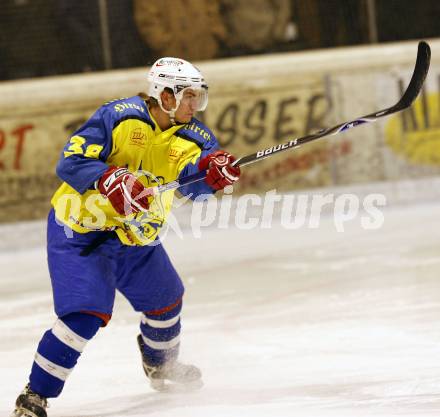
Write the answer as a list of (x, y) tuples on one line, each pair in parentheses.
[(138, 138), (175, 153)]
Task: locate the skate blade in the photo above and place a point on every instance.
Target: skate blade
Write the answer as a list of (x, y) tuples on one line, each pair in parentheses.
[(161, 386), (19, 412), (16, 413)]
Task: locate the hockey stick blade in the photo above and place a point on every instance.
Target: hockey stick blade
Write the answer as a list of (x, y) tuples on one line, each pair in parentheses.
[(417, 79), (412, 91)]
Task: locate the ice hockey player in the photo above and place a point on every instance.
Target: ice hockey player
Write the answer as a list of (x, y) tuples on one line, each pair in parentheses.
[(102, 232)]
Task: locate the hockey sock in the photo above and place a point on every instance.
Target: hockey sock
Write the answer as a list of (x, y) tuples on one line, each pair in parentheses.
[(59, 350), (161, 334)]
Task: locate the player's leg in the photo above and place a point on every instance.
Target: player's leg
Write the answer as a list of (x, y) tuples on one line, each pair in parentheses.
[(159, 343), (160, 333), (153, 287), (57, 355), (83, 293)]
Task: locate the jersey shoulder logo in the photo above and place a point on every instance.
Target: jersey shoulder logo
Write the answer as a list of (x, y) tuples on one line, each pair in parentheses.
[(121, 107), (199, 131)]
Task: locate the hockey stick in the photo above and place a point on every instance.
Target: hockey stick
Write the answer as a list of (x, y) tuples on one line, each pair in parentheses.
[(415, 85)]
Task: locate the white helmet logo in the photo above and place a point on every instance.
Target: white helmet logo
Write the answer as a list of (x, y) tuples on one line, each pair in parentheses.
[(171, 62)]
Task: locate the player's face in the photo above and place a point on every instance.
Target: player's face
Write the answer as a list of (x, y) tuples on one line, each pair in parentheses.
[(188, 106)]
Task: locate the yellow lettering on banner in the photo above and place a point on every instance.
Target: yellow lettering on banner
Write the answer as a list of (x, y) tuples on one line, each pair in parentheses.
[(415, 134), (76, 146), (93, 151)]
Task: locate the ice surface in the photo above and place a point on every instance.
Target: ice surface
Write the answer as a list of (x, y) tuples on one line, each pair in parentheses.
[(309, 322)]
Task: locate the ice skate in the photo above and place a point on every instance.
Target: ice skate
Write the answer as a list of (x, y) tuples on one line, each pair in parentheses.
[(171, 376), (30, 404)]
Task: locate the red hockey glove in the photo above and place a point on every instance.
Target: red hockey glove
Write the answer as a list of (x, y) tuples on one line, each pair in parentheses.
[(123, 190), (220, 171)]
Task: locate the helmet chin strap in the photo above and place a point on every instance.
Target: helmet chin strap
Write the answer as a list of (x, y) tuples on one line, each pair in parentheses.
[(172, 117), (172, 112)]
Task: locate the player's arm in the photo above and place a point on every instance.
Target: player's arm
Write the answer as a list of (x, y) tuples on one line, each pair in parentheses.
[(82, 160), (220, 172), (83, 166)]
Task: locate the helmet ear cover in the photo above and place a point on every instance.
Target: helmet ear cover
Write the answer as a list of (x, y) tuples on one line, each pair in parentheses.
[(160, 100)]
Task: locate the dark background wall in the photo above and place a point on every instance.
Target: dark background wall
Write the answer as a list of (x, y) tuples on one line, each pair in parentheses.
[(51, 37)]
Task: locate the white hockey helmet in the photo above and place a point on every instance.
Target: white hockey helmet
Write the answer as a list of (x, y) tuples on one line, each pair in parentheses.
[(178, 75)]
